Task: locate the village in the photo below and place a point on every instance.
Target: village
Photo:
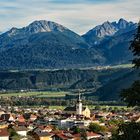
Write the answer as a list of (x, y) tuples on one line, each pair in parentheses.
[(76, 122)]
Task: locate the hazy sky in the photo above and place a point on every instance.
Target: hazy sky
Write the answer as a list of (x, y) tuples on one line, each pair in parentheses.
[(78, 15)]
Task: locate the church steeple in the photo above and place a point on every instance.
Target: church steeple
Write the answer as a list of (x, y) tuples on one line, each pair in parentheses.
[(79, 97), (79, 105)]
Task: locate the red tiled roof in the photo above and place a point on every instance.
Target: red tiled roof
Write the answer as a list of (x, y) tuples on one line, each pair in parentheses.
[(77, 135), (33, 116), (48, 127), (91, 134), (21, 119), (65, 136), (4, 132)]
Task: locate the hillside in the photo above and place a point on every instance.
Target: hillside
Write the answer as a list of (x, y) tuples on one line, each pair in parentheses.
[(112, 89), (105, 83)]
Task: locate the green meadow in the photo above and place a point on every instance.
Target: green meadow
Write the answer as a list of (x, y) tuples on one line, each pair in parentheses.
[(36, 94)]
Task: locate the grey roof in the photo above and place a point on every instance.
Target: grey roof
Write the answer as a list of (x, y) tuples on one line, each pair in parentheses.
[(43, 134), (21, 128)]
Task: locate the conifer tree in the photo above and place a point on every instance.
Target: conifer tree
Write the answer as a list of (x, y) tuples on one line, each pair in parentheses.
[(132, 94), (135, 47)]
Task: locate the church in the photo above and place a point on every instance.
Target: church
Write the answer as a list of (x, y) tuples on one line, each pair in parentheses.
[(78, 109)]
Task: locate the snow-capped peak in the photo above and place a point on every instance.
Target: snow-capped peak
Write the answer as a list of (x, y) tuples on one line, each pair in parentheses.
[(37, 27), (122, 24), (106, 29), (110, 28), (44, 26)]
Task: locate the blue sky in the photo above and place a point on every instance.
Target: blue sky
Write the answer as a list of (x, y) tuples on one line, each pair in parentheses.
[(78, 15)]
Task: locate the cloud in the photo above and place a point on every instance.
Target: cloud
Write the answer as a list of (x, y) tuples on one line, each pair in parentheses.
[(80, 1), (78, 15)]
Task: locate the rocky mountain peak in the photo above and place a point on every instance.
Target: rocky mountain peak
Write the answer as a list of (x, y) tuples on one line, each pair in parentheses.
[(12, 32), (100, 31), (122, 24), (36, 27), (108, 29), (44, 26)]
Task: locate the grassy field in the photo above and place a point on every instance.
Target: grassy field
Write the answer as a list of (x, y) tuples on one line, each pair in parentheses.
[(106, 106), (36, 94), (52, 94), (123, 66), (57, 107)]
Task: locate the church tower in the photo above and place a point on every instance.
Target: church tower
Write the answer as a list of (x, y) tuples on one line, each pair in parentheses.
[(79, 106)]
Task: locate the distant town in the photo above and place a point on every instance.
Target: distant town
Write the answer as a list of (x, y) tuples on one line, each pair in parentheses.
[(75, 122), (69, 70)]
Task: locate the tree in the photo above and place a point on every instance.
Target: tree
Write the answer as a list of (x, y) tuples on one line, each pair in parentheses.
[(132, 94), (75, 129), (135, 47), (115, 122), (83, 134), (13, 134), (97, 107), (94, 127), (127, 131)]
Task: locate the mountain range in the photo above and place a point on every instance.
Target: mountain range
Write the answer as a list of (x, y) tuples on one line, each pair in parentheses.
[(45, 44), (112, 40)]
